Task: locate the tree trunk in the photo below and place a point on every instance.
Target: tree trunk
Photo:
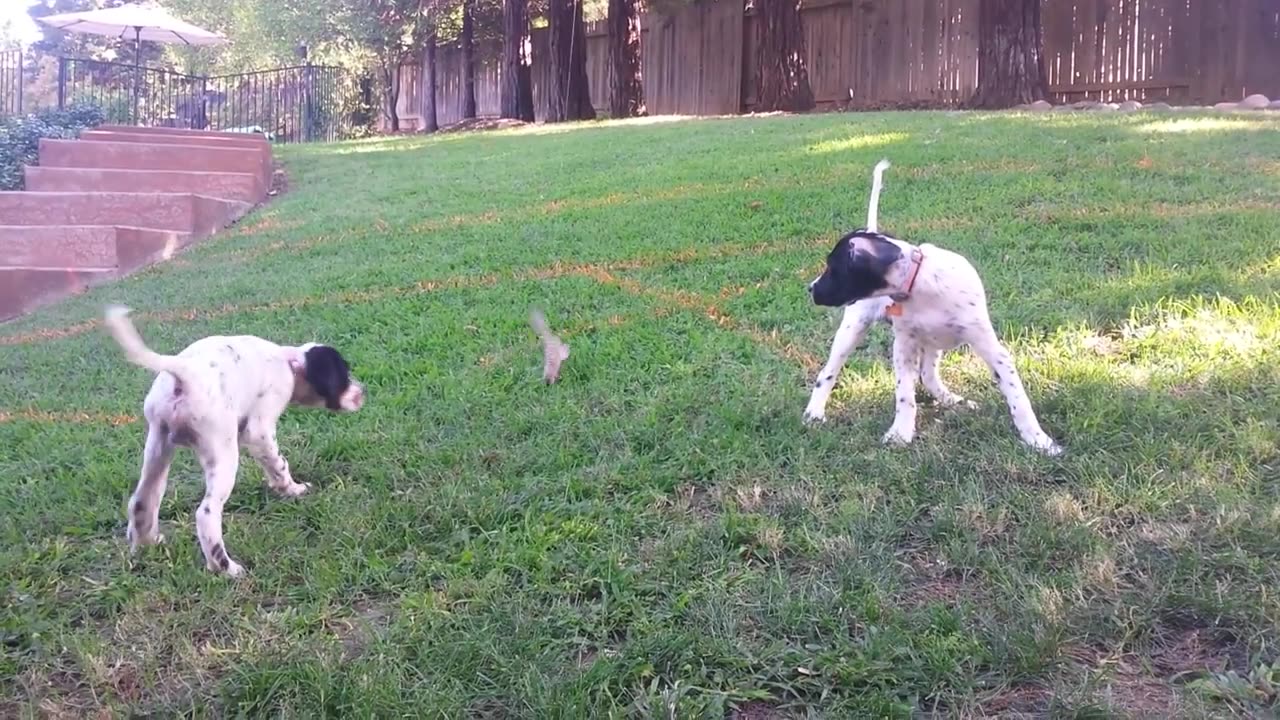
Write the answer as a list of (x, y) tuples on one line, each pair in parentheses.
[(1010, 54), (468, 60), (391, 92), (526, 91), (517, 76), (430, 123), (783, 75), (626, 86), (569, 95)]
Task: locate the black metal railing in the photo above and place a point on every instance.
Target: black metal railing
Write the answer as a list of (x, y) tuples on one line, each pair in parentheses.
[(304, 103), (10, 82)]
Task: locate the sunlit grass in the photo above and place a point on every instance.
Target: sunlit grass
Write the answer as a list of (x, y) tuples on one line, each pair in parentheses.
[(659, 530), (857, 142), (1206, 125)]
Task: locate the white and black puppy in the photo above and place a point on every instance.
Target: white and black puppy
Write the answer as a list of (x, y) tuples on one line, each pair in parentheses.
[(219, 393), (935, 301)]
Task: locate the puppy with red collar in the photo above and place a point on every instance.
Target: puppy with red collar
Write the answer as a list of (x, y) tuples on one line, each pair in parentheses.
[(216, 395), (935, 301)]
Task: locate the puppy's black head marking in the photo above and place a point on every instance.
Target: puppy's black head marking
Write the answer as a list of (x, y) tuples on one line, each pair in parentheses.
[(856, 269), (326, 371)]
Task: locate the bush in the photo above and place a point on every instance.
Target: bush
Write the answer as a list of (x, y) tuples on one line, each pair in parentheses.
[(20, 137)]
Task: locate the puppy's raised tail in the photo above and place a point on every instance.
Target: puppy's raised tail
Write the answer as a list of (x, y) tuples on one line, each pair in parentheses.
[(122, 329), (877, 183)]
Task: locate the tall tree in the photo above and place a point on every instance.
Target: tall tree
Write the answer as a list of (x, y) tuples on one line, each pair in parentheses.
[(783, 74), (394, 31), (468, 37), (1010, 54), (517, 73), (626, 86), (430, 121), (569, 94)]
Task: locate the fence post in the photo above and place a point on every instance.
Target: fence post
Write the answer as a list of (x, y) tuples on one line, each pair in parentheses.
[(21, 68), (137, 77), (62, 83), (364, 112), (204, 103), (308, 112)]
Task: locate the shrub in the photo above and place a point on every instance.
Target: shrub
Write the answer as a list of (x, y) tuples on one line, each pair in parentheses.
[(20, 137)]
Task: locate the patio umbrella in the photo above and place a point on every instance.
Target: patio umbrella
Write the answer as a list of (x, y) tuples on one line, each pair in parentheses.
[(140, 21)]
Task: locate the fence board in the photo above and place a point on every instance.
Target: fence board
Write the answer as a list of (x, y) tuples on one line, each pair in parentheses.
[(1262, 69)]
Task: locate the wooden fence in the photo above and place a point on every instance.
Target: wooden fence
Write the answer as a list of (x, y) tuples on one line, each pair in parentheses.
[(1182, 50), (868, 53)]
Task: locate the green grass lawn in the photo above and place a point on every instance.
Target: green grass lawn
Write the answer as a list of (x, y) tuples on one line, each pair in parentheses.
[(659, 535)]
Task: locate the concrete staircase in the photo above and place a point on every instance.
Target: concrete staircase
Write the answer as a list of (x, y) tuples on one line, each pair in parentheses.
[(119, 199)]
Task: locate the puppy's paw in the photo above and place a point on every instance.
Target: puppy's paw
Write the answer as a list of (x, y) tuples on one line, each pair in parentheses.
[(815, 417), (294, 490), (898, 437), (137, 541), (231, 568), (956, 402), (1048, 447), (815, 412)]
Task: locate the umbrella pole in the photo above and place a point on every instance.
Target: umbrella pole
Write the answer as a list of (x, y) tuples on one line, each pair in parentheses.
[(137, 69)]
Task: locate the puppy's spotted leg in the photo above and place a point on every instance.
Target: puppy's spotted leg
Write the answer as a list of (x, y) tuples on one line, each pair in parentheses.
[(906, 366), (997, 357), (144, 504), (220, 458), (857, 320), (933, 382), (261, 442)]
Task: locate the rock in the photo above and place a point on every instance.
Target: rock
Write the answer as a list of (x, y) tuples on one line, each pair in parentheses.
[(1063, 108), (1129, 106), (1275, 105), (1021, 108), (1159, 107), (1255, 102), (1226, 106), (1108, 107), (1085, 104), (1041, 106)]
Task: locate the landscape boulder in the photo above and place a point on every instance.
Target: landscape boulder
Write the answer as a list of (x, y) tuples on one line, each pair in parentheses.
[(1255, 102)]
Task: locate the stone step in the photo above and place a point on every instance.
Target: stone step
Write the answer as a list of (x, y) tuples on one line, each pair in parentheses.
[(25, 289), (137, 156), (183, 132), (254, 142), (231, 142), (241, 187), (87, 247), (181, 212)]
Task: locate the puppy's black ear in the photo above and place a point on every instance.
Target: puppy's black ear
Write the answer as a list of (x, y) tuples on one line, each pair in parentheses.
[(326, 371), (872, 252)]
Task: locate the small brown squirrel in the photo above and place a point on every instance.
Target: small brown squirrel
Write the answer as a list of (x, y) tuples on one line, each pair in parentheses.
[(554, 351)]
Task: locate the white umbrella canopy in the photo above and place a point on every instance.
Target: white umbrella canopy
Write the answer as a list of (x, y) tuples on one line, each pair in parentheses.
[(138, 21)]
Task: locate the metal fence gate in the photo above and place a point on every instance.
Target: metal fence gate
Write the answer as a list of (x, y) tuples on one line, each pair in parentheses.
[(10, 82), (303, 103)]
